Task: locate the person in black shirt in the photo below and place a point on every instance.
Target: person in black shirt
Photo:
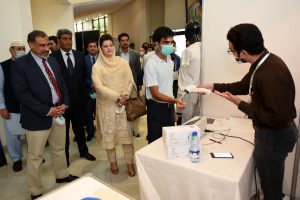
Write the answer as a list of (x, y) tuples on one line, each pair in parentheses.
[(272, 110)]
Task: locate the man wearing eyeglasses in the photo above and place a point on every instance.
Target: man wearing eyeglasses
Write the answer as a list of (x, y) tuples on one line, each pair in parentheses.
[(272, 110), (159, 85)]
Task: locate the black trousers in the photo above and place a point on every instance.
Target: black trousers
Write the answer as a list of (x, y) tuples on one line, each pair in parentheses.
[(158, 116), (90, 112), (75, 115), (271, 149), (2, 156)]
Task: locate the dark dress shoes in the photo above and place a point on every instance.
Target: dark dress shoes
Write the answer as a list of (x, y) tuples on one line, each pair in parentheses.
[(17, 166), (89, 137), (68, 179), (35, 196), (135, 134), (88, 156)]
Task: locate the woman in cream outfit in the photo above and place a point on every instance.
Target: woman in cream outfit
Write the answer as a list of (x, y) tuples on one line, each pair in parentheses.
[(113, 82)]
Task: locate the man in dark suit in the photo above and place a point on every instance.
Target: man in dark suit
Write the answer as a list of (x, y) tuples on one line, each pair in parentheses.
[(73, 68), (90, 59), (39, 86), (133, 57)]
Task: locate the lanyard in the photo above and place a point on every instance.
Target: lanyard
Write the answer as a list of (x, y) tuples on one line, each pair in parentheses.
[(253, 73)]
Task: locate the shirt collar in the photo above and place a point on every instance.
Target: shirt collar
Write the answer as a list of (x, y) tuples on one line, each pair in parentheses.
[(64, 52), (259, 59), (95, 56), (36, 57), (158, 59), (123, 52)]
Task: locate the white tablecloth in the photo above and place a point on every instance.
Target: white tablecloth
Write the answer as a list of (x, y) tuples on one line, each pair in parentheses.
[(212, 178), (84, 187)]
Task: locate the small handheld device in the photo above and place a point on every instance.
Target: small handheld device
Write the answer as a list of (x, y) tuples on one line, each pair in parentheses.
[(194, 88), (221, 155)]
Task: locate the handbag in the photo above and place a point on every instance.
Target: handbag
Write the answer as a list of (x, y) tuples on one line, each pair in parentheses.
[(135, 108)]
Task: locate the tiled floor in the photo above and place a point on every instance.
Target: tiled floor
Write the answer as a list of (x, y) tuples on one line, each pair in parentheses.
[(13, 186)]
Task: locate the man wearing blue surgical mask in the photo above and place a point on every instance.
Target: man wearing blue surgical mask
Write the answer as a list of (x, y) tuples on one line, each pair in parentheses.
[(10, 107), (158, 76)]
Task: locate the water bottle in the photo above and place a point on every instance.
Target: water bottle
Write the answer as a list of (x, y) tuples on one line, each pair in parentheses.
[(194, 148)]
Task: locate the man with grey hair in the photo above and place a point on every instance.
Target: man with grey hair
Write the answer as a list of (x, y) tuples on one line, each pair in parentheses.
[(10, 107), (39, 86), (74, 71)]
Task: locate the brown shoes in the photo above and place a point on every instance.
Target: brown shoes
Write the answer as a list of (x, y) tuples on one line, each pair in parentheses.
[(114, 168), (131, 170)]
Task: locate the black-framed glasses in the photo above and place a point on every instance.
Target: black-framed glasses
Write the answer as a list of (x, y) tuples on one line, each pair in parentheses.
[(230, 52)]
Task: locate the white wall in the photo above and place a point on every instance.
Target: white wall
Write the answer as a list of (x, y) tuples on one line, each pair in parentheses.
[(279, 22), (132, 19), (157, 14), (51, 15), (15, 23)]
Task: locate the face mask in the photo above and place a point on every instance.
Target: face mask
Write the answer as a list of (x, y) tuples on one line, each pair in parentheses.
[(142, 53), (167, 49), (20, 54), (239, 60)]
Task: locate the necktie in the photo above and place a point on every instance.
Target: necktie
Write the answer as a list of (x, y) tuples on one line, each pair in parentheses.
[(93, 59), (52, 80), (69, 64)]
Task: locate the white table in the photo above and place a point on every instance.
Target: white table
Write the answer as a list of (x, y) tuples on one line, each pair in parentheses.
[(86, 186), (212, 178)]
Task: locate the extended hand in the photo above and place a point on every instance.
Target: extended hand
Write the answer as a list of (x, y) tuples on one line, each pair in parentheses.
[(227, 95), (207, 86)]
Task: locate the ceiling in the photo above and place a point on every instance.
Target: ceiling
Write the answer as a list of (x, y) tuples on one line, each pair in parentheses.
[(87, 7)]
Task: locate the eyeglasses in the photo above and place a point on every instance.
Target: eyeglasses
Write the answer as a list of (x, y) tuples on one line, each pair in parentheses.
[(230, 52)]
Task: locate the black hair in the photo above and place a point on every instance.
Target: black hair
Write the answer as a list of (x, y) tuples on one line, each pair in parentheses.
[(122, 35), (91, 41), (143, 46), (54, 38), (61, 32), (162, 32), (246, 37), (193, 32), (105, 37), (36, 33)]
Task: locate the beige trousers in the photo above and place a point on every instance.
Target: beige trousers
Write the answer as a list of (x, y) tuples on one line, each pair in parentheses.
[(136, 125), (128, 153), (36, 140)]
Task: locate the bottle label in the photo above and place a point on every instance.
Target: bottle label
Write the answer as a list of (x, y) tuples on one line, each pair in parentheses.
[(195, 155)]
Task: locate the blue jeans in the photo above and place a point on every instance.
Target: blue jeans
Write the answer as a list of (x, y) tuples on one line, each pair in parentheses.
[(271, 149)]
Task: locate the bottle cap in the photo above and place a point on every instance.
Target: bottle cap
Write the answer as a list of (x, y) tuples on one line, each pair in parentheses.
[(194, 133)]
